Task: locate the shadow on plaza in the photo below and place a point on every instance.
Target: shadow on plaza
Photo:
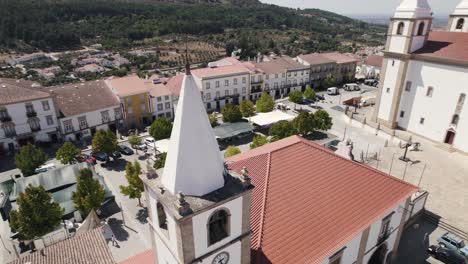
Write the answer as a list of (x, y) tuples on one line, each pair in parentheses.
[(115, 165), (415, 242), (118, 228), (142, 215)]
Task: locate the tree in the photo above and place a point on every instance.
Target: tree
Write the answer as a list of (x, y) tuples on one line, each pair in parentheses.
[(134, 140), (296, 97), (258, 141), (161, 161), (309, 93), (282, 129), (29, 159), (329, 81), (231, 151), (323, 121), (37, 213), (247, 108), (161, 128), (135, 185), (67, 153), (304, 123), (213, 120), (231, 113), (104, 142), (89, 194), (265, 103)]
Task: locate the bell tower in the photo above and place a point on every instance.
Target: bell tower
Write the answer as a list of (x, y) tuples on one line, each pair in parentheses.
[(458, 21), (408, 32), (199, 211)]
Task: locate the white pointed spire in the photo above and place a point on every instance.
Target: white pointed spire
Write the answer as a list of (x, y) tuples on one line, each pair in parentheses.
[(413, 9), (461, 9), (194, 164)]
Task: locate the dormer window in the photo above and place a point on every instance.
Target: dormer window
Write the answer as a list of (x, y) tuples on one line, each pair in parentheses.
[(218, 226), (460, 23), (421, 28), (401, 27)]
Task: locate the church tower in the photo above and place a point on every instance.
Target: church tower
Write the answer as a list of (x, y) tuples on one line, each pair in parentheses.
[(458, 21), (199, 211), (408, 32)]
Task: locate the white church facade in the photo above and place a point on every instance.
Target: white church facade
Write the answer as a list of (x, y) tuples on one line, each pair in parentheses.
[(424, 80)]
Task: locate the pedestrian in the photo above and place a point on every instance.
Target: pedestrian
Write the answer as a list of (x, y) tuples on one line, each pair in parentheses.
[(114, 241)]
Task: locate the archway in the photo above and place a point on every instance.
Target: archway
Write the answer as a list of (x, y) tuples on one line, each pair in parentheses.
[(450, 137), (378, 257)]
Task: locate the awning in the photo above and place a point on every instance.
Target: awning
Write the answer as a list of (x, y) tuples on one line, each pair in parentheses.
[(229, 130), (270, 118)]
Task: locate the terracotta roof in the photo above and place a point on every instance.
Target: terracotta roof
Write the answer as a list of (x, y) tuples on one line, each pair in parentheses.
[(315, 59), (159, 89), (339, 58), (90, 247), (279, 64), (303, 192), (74, 99), (174, 84), (16, 91), (375, 60), (446, 45), (220, 71), (128, 86), (146, 257)]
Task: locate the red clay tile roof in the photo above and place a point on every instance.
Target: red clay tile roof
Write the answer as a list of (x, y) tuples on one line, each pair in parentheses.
[(220, 71), (308, 202), (80, 98), (174, 84), (446, 45), (16, 91), (375, 60), (146, 257), (279, 65), (90, 247), (339, 58), (315, 59)]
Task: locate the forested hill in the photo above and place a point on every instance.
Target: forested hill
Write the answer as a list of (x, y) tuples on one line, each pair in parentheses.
[(29, 25)]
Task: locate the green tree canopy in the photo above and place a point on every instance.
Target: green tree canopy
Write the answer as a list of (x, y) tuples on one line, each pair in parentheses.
[(135, 186), (329, 81), (37, 213), (231, 151), (67, 153), (213, 120), (247, 108), (258, 141), (296, 97), (104, 142), (265, 103), (29, 159), (134, 140), (231, 113), (161, 128), (161, 161), (309, 93), (304, 123), (282, 129), (323, 121), (89, 194)]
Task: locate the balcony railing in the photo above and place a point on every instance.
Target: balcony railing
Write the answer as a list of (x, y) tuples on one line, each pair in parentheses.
[(5, 118), (35, 129), (10, 135), (256, 82), (31, 114)]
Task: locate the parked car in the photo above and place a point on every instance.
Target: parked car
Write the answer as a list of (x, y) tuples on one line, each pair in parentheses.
[(351, 87), (86, 158), (367, 101), (141, 146), (447, 255), (44, 168), (451, 241), (100, 156), (316, 107), (333, 91), (149, 141), (320, 97), (116, 155), (125, 150), (371, 82), (308, 101)]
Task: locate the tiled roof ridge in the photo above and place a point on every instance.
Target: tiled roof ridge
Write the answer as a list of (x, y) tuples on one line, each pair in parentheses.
[(264, 202), (323, 149)]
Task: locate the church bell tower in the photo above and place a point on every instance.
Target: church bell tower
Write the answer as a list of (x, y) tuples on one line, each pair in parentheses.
[(199, 211), (458, 21)]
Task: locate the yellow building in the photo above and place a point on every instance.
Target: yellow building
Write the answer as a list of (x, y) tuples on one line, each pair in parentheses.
[(134, 95)]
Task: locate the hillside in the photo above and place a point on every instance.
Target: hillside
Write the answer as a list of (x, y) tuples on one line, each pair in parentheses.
[(29, 25)]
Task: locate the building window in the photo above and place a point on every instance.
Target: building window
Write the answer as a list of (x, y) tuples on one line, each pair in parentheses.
[(461, 99), (267, 77), (208, 96), (388, 90), (168, 105), (168, 115), (421, 28), (276, 76), (455, 119), (226, 83), (217, 94), (207, 85), (244, 79), (421, 121), (105, 116), (217, 84), (68, 126), (267, 86), (460, 23), (162, 218), (160, 107), (226, 93), (208, 105), (235, 81), (45, 105), (402, 114), (393, 63), (117, 113), (401, 28), (166, 97), (29, 109), (408, 86), (236, 91), (218, 226), (385, 227), (337, 257), (50, 120), (4, 117), (295, 73), (244, 90), (35, 124), (82, 122), (9, 130), (430, 91)]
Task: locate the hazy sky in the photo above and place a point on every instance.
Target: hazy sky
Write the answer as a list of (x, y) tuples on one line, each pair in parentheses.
[(363, 7)]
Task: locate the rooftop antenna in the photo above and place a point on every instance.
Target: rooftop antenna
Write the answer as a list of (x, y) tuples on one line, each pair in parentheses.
[(187, 64)]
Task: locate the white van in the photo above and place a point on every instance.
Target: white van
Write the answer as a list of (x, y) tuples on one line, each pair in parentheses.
[(44, 168), (351, 87), (333, 91), (367, 101)]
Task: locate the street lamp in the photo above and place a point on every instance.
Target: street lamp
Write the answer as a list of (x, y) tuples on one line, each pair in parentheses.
[(405, 146)]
